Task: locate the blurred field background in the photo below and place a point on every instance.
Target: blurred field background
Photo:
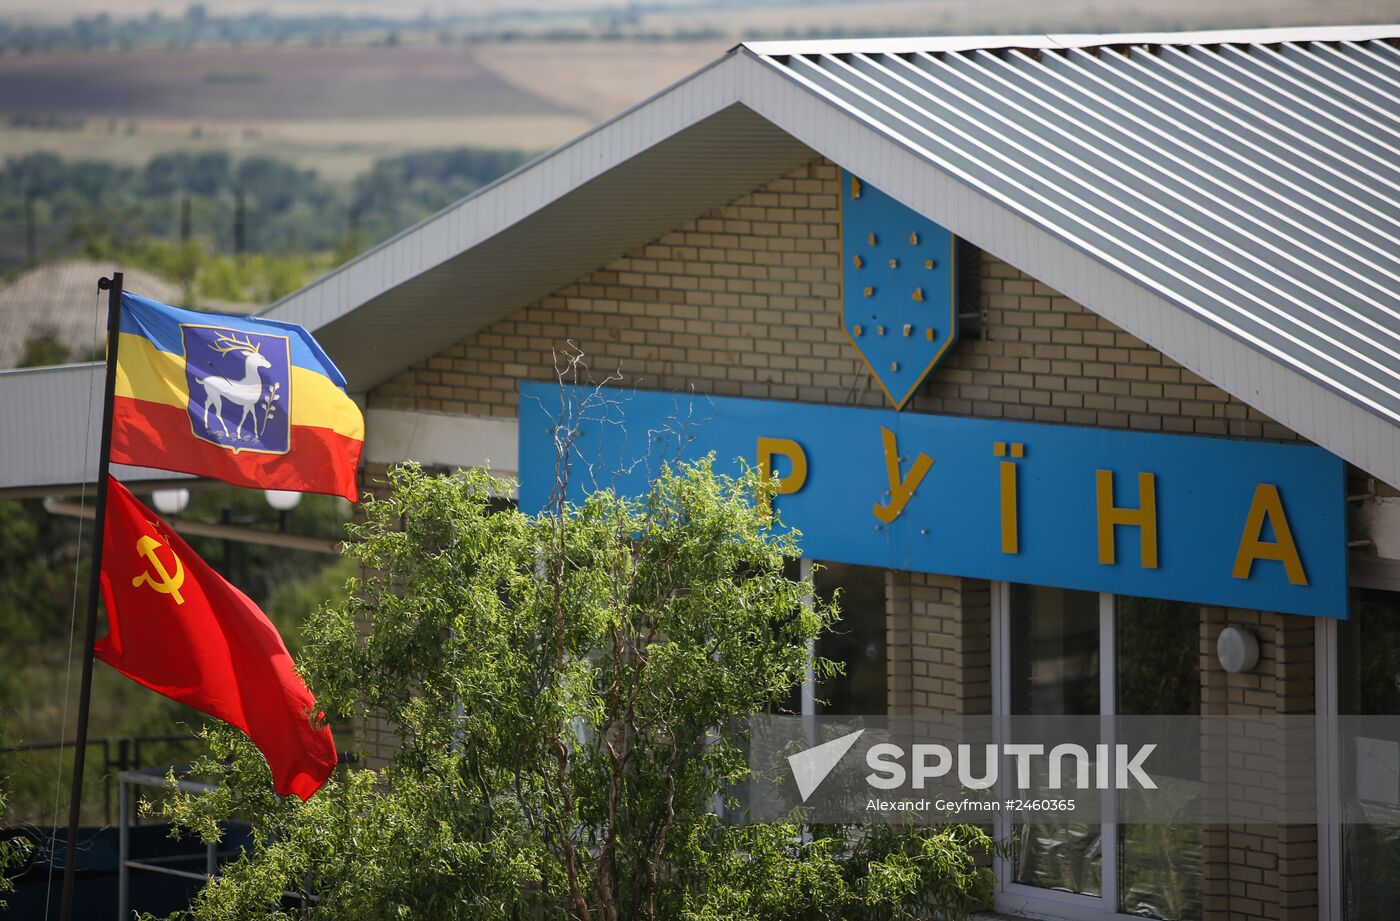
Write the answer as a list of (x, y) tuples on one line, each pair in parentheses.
[(336, 85), (232, 154)]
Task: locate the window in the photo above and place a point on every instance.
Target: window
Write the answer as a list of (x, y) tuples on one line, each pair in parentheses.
[(1368, 684), (857, 640), (1061, 652), (1054, 636), (1158, 666)]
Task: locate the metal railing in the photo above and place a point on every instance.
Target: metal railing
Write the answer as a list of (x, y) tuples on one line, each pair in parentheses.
[(155, 777), (152, 777), (121, 767), (128, 757)]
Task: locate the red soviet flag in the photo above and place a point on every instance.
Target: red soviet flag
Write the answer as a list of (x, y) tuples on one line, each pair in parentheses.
[(180, 629)]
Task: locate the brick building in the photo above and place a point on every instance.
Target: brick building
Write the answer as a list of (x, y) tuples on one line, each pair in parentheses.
[(1170, 247)]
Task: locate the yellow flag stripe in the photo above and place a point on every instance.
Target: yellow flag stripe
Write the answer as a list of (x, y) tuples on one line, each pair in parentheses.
[(144, 372)]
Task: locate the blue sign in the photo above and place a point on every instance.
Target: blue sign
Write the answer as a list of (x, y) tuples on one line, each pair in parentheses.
[(898, 304), (1208, 520)]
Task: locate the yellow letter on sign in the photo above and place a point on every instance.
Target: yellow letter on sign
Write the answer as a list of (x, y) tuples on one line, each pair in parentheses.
[(1268, 504), (790, 449), (1144, 517), (901, 489)]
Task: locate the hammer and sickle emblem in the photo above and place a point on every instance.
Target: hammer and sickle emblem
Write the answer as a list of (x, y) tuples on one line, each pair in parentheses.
[(164, 582)]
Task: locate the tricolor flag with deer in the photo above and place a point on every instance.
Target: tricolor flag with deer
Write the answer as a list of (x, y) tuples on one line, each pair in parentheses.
[(246, 400)]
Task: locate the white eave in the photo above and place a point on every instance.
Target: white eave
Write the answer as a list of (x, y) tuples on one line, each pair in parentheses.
[(1229, 198)]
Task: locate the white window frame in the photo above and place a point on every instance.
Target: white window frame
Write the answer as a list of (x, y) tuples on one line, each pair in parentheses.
[(1366, 572), (1032, 901)]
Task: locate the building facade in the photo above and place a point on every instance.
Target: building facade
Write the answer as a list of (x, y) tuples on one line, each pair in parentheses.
[(745, 301)]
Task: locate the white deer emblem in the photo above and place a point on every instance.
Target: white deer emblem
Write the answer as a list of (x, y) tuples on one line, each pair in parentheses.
[(244, 393)]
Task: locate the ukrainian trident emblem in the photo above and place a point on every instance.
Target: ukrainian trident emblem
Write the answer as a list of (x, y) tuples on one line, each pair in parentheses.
[(898, 295), (239, 386)]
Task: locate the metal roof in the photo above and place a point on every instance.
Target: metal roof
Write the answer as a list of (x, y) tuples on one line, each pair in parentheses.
[(1044, 40), (1256, 186), (548, 224), (1229, 198)]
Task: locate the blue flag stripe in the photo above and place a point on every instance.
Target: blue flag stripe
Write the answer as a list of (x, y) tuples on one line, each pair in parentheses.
[(160, 324)]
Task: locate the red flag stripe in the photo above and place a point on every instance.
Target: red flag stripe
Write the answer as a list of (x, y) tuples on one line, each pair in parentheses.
[(146, 434)]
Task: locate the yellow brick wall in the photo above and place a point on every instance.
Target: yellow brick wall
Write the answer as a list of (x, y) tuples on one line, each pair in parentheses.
[(745, 302), (1262, 871), (938, 644)]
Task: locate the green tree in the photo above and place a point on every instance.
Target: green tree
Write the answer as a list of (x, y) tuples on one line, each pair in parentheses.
[(43, 349), (565, 695), (13, 851), (37, 552)]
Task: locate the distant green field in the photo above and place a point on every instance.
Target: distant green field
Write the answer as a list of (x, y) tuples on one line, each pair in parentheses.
[(336, 149)]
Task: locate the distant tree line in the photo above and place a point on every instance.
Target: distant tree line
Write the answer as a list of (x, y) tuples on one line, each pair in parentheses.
[(197, 27), (246, 206)]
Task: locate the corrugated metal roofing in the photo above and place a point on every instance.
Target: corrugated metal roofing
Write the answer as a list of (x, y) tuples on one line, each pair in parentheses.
[(1254, 185)]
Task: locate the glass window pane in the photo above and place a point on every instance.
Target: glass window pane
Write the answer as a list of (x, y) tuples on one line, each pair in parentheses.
[(1054, 651), (1159, 658), (1368, 672), (1054, 637), (858, 640), (1159, 674), (1368, 684)]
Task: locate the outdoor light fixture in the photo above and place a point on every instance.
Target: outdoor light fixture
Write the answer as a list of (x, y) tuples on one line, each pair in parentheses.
[(283, 500), (170, 501), (1237, 649)]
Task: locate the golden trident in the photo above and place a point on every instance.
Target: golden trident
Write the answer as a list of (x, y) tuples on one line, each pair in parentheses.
[(167, 584)]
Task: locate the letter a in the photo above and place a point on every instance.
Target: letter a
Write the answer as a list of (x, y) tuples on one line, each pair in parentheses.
[(1268, 504)]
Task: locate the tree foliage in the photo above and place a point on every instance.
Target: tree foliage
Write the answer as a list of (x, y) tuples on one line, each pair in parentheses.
[(106, 210), (36, 557), (563, 696), (13, 852)]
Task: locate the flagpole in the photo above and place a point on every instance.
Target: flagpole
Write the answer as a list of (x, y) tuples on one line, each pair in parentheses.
[(113, 287)]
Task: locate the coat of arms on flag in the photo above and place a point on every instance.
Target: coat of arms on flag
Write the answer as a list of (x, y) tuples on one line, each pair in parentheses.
[(239, 388)]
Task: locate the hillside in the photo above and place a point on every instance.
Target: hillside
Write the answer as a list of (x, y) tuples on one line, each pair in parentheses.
[(59, 302)]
